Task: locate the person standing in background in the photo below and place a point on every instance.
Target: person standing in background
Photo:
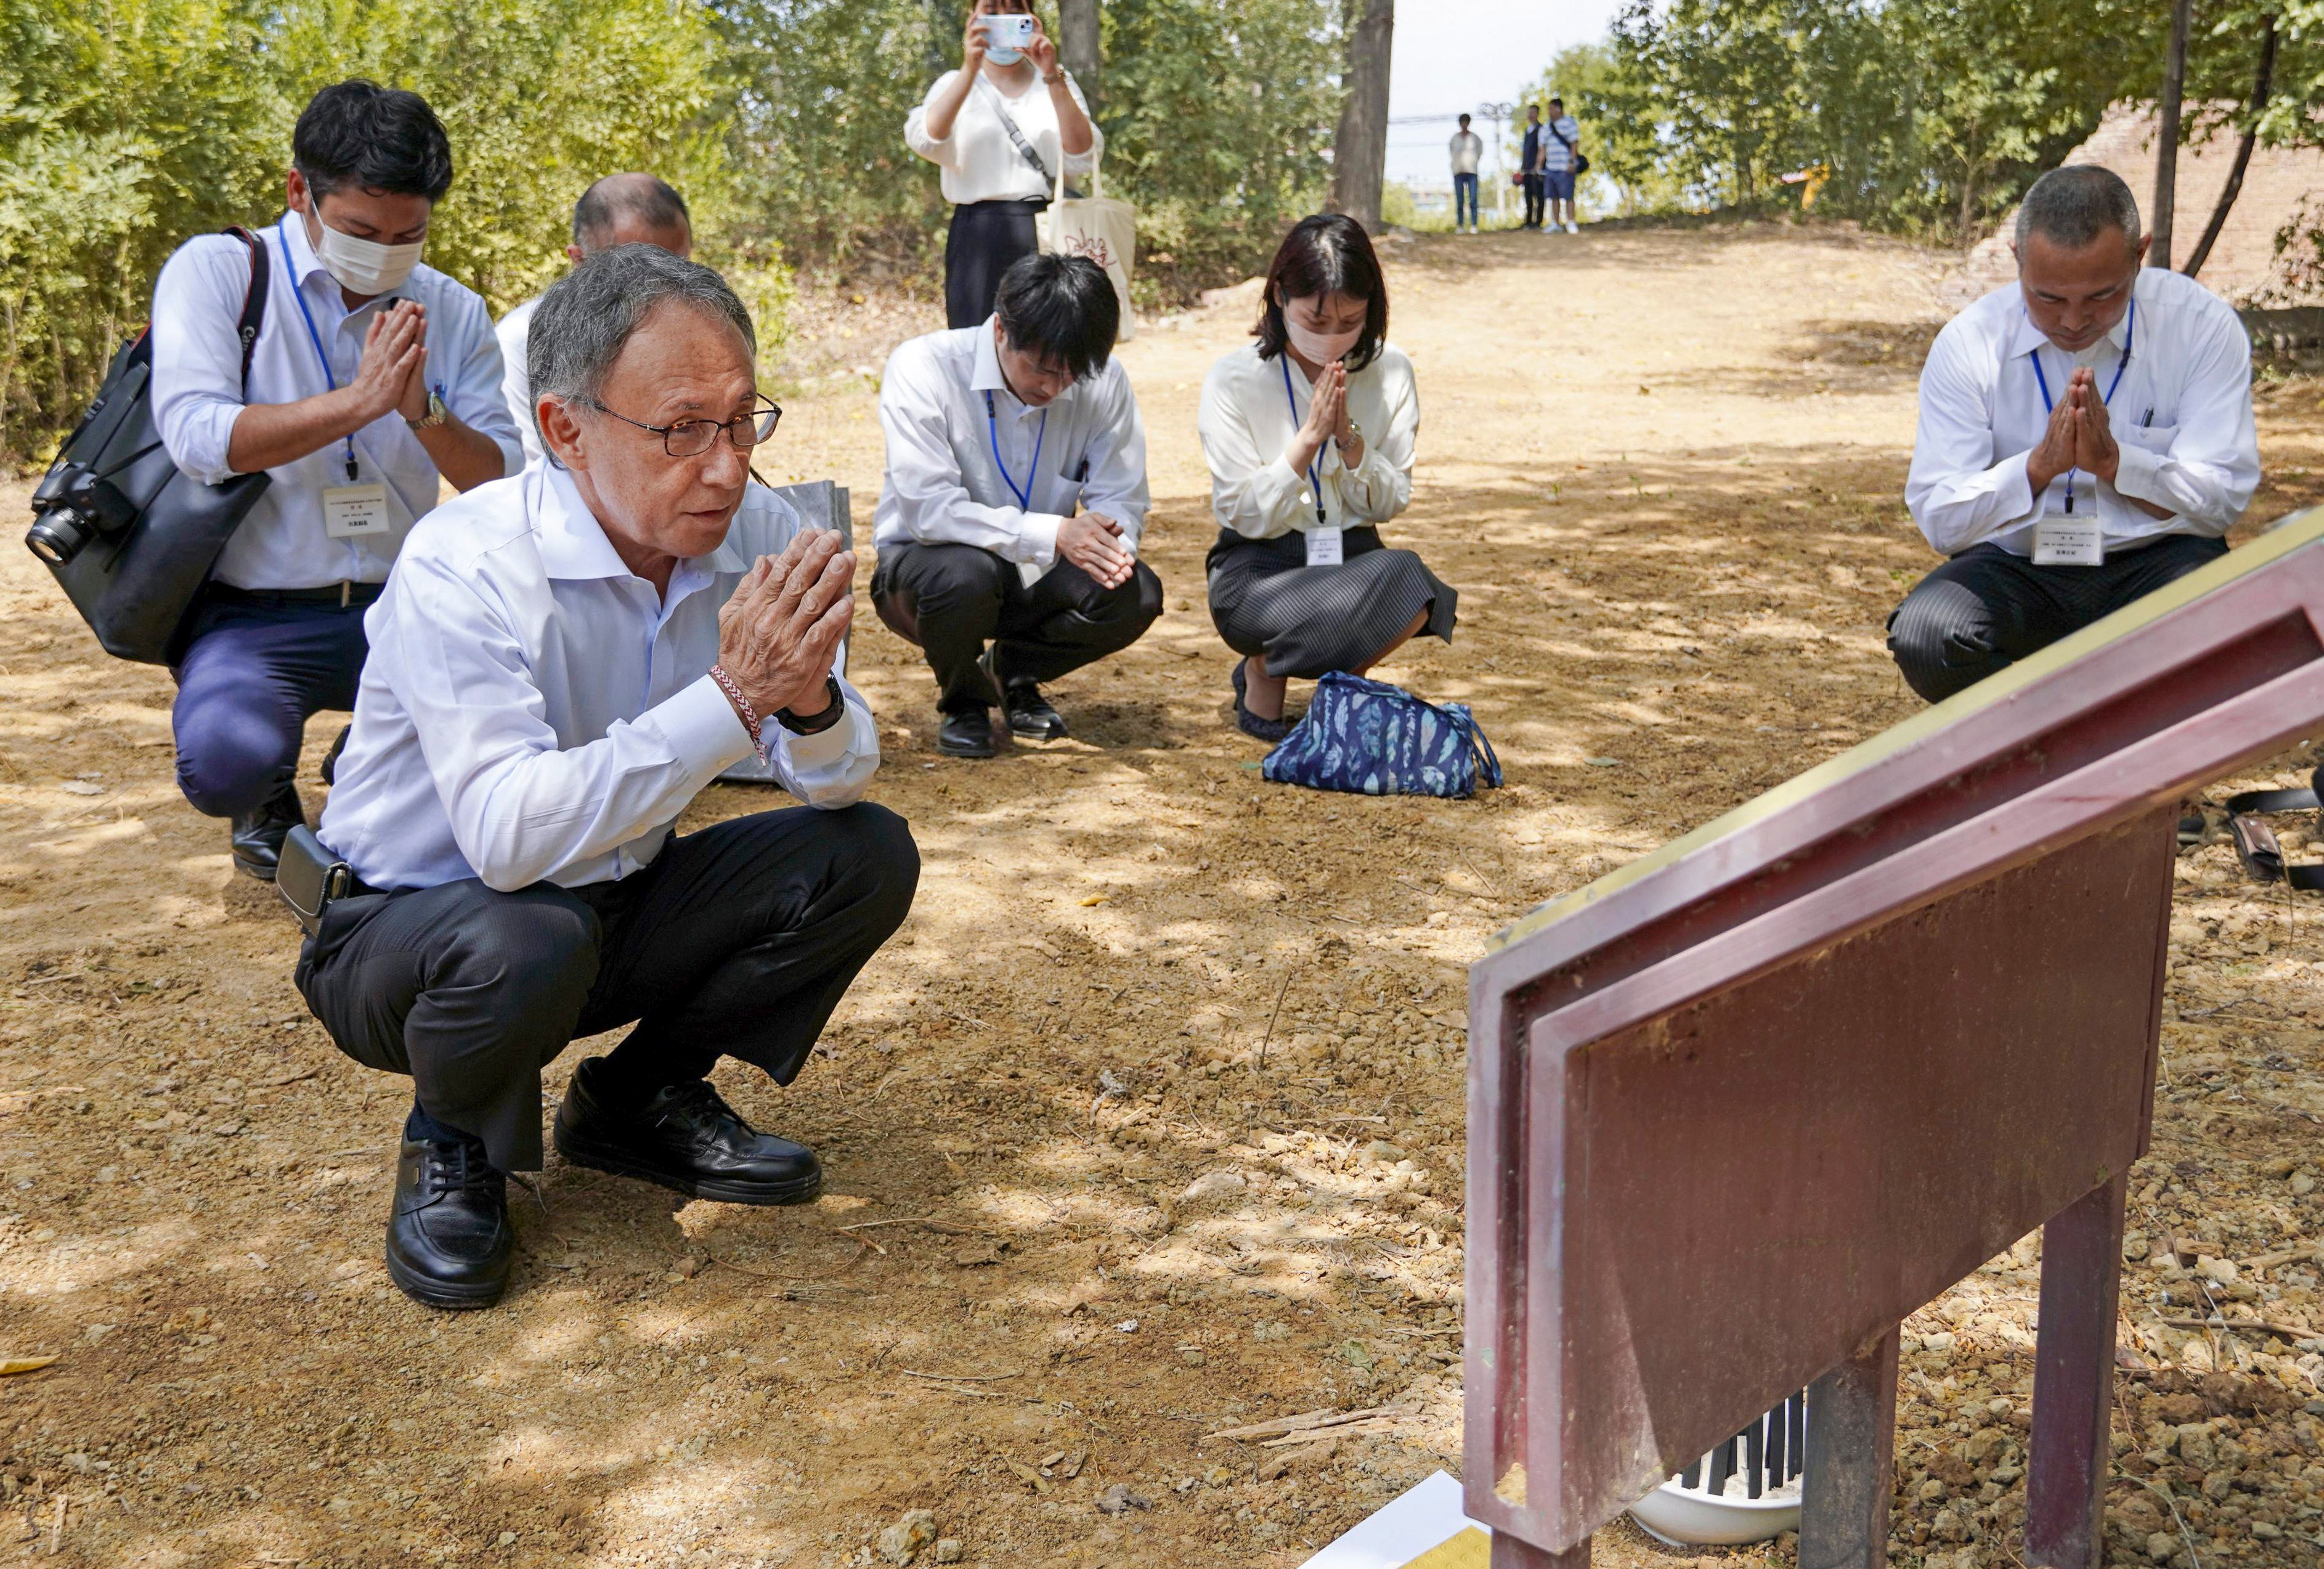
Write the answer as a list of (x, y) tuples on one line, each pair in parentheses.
[(1466, 149), (1559, 157), (620, 209), (1529, 167), (999, 144)]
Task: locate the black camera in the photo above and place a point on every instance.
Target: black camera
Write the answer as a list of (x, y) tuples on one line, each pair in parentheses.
[(72, 507)]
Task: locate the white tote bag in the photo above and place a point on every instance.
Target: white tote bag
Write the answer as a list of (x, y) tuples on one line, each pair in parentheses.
[(1105, 231)]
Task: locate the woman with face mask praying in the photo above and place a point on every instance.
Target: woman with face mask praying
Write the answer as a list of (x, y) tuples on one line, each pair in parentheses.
[(1308, 432), (1000, 142)]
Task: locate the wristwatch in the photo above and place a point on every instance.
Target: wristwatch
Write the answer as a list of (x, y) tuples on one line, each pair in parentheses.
[(1355, 433), (831, 713), (437, 412)]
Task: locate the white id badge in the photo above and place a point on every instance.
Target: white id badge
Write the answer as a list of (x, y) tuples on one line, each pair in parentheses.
[(2061, 540), (352, 511), (1324, 547)]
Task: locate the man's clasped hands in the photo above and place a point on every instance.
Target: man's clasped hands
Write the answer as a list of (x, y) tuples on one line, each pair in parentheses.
[(2080, 436)]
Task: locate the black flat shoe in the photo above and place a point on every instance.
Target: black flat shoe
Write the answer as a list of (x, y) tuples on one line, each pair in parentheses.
[(1266, 730), (968, 733), (685, 1138), (257, 836), (1030, 715), (448, 1239)]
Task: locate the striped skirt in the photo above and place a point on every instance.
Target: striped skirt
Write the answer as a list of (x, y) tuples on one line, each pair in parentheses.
[(1265, 599)]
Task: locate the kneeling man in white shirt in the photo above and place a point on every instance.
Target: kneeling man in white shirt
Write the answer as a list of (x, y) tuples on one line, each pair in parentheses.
[(1014, 499), (2086, 437), (560, 663)]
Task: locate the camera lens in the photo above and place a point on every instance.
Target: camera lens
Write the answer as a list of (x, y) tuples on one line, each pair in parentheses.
[(57, 536)]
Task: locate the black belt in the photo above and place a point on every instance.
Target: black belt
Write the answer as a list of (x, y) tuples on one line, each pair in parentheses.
[(340, 593), (2256, 843)]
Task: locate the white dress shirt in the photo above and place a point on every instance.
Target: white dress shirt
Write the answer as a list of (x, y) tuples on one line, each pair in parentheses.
[(1247, 424), (532, 712), (979, 161), (2181, 418), (197, 395), (943, 484), (515, 332), (1466, 147)]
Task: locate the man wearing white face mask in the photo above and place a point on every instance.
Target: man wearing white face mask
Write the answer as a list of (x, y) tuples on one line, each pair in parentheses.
[(373, 380)]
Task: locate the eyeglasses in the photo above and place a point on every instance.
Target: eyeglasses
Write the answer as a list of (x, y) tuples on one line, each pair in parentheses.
[(693, 437)]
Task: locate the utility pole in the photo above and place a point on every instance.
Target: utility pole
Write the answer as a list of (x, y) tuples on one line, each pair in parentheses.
[(1078, 32), (1359, 150), (2166, 136), (1500, 114)]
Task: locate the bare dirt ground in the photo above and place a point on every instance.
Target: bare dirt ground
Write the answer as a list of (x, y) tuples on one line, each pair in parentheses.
[(1150, 1122)]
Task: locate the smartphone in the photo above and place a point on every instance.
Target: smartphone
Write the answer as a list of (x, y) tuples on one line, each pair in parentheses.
[(1012, 31)]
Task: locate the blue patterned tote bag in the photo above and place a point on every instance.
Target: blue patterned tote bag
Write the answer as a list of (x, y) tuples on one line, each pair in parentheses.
[(1370, 738)]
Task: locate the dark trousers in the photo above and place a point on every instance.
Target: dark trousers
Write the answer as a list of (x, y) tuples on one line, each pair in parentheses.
[(1986, 609), (951, 600), (1533, 202), (985, 240), (1464, 194), (255, 670), (737, 941)]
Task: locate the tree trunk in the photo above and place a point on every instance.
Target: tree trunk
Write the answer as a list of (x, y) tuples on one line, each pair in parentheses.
[(1359, 150), (1078, 45), (2166, 136), (2228, 192)]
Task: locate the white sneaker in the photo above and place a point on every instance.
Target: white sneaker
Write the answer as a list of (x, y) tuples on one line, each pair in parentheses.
[(1572, 228)]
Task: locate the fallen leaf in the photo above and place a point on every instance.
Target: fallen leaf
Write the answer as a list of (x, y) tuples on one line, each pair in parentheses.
[(1094, 899), (22, 1364)]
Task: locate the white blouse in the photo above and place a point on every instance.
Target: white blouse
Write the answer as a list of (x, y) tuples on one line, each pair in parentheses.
[(979, 160), (1247, 424)]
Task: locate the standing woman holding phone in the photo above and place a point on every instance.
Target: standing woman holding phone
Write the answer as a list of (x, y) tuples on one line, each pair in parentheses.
[(1309, 435), (999, 127)]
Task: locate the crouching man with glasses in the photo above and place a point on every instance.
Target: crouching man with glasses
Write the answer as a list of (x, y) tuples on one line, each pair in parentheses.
[(559, 665)]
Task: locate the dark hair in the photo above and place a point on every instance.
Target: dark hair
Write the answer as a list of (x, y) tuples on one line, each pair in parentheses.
[(1329, 254), (1464, 119), (2074, 207), (1060, 307), (374, 138), (654, 203), (1557, 103)]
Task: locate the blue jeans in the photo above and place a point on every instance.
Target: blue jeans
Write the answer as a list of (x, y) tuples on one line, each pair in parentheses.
[(1557, 184), (1464, 189), (254, 669)]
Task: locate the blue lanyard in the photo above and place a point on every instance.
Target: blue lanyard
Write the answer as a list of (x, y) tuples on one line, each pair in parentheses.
[(317, 339), (1293, 398), (992, 424), (2129, 335)]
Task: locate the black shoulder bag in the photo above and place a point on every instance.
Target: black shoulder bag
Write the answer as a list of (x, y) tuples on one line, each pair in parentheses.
[(131, 539), (1580, 160)]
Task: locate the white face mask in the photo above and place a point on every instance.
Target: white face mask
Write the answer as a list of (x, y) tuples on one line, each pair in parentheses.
[(364, 266), (1319, 348)]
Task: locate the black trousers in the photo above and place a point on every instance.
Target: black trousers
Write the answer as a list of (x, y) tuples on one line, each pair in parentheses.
[(1533, 201), (951, 600), (985, 240), (1986, 609), (737, 941)]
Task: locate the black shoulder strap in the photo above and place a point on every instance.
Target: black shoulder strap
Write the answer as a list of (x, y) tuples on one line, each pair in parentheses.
[(253, 302)]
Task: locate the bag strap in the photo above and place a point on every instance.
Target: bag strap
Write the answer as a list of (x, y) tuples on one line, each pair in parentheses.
[(1560, 135), (2256, 843), (1025, 148), (1490, 765), (253, 300)]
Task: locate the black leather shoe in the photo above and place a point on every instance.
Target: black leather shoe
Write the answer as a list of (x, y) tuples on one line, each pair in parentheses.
[(449, 1239), (258, 836), (1028, 712), (968, 733), (1030, 715), (685, 1138)]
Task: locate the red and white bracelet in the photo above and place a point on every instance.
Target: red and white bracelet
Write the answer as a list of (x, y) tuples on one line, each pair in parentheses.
[(742, 709)]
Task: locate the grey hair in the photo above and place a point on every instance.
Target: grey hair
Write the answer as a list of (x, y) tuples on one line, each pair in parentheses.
[(586, 318), (2075, 206)]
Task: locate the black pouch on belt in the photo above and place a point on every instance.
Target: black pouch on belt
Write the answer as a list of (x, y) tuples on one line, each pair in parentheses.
[(309, 877)]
